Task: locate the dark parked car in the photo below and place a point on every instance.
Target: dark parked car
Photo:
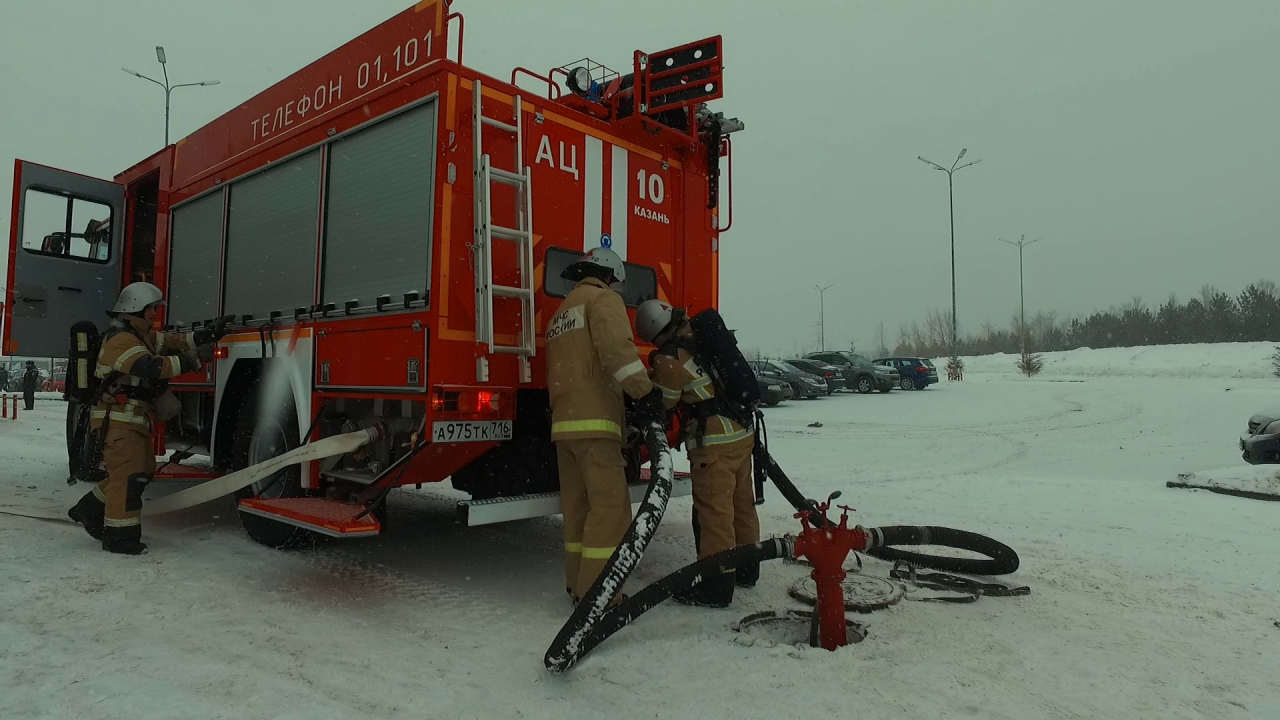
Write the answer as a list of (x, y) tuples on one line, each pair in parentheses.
[(1261, 445), (830, 373), (916, 373), (772, 390), (802, 383), (859, 373)]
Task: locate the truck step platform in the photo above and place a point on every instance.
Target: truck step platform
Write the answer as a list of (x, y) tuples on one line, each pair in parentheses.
[(520, 507), (326, 516)]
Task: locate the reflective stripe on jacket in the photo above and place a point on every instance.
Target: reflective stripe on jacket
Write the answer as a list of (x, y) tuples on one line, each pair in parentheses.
[(139, 364), (591, 360)]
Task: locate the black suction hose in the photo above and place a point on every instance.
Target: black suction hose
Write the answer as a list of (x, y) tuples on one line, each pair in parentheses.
[(569, 642), (591, 623), (1003, 558), (786, 487), (633, 607)]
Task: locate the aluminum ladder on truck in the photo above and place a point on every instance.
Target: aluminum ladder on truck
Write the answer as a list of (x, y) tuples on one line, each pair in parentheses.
[(486, 232)]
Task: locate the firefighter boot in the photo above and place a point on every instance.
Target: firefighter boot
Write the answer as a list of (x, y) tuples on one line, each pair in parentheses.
[(713, 592), (747, 575), (123, 540), (88, 512)]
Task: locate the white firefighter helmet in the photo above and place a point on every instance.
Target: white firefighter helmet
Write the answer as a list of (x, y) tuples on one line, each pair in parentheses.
[(653, 318), (600, 257), (136, 297)]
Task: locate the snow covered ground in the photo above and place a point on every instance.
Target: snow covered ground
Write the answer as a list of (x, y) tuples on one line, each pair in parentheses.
[(1220, 360), (1146, 602)]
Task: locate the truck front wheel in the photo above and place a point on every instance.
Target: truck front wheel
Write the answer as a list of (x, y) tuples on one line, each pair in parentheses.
[(263, 433)]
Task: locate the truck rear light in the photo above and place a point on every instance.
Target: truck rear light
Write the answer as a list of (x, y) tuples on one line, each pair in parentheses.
[(446, 401), (221, 353), (466, 401)]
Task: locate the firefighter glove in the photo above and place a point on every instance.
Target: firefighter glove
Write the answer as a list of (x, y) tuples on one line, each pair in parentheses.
[(190, 361), (649, 409), (210, 333)]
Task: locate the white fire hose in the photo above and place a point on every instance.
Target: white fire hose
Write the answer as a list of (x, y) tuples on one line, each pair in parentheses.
[(227, 484)]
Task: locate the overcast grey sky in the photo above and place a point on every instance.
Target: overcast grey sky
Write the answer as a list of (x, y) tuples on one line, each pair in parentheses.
[(1140, 138)]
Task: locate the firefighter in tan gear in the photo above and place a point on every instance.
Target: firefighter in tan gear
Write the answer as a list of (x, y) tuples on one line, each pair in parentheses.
[(724, 511), (591, 361), (133, 365)]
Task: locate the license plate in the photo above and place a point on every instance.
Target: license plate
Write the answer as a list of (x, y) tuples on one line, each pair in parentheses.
[(462, 431)]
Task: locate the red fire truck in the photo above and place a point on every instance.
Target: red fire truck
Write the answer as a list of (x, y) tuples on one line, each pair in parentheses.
[(387, 228)]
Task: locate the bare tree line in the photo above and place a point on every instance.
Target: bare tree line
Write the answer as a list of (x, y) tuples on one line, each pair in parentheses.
[(1214, 316)]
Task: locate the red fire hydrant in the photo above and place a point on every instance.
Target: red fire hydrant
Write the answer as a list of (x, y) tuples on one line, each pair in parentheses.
[(826, 547)]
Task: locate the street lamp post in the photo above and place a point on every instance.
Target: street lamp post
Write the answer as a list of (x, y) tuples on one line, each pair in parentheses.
[(1022, 296), (168, 89), (952, 199), (822, 316)]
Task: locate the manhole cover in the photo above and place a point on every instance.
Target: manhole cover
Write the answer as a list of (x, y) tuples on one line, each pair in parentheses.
[(861, 593), (792, 627)]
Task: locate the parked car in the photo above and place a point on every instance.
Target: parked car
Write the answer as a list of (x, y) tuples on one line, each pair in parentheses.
[(915, 373), (859, 372), (772, 390), (802, 383), (1261, 444), (830, 373), (57, 383)]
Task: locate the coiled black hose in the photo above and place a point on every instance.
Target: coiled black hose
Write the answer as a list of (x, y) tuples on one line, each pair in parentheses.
[(1003, 560)]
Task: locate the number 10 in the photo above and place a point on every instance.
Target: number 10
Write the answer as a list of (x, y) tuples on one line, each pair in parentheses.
[(657, 189)]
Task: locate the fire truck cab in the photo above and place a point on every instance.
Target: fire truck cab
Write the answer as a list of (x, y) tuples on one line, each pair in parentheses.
[(386, 229)]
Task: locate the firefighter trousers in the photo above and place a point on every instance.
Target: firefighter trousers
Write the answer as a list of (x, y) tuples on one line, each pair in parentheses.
[(596, 507), (724, 500), (130, 462)]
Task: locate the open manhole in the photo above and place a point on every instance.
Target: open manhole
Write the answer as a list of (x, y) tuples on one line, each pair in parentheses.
[(861, 593), (791, 627)]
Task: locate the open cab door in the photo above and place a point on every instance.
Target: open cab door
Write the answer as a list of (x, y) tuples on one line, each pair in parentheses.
[(64, 257)]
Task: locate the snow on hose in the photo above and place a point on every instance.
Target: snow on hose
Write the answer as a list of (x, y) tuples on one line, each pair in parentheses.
[(683, 579), (567, 646), (1003, 560)]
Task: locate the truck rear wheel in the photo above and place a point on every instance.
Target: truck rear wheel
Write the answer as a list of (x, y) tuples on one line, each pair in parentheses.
[(261, 434)]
